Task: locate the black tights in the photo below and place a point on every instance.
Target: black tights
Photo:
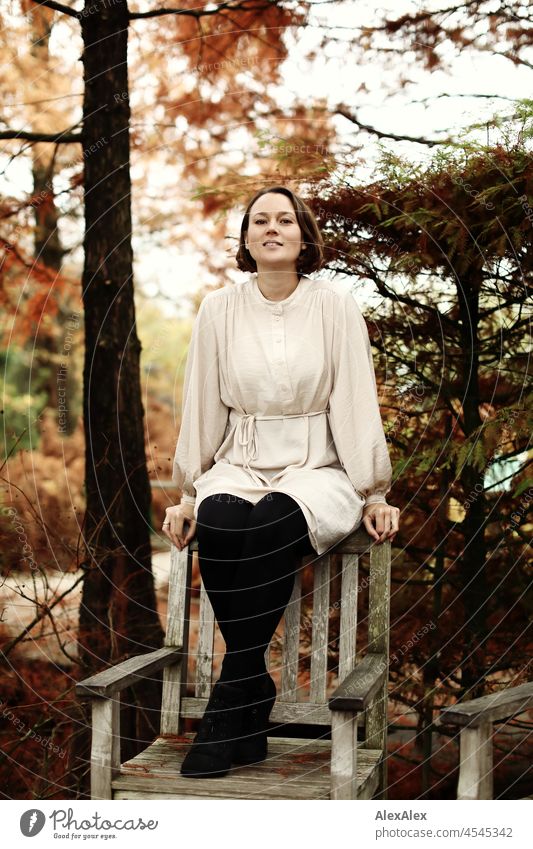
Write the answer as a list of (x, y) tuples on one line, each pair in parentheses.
[(248, 556)]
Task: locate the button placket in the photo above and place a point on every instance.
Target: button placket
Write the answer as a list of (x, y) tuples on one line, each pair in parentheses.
[(280, 359)]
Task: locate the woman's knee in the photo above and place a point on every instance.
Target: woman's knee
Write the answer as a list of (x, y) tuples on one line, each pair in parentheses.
[(222, 512), (277, 519)]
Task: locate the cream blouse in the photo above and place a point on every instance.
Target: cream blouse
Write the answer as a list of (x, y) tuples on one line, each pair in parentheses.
[(282, 396)]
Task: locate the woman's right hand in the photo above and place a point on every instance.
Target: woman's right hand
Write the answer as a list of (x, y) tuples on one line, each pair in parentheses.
[(175, 519)]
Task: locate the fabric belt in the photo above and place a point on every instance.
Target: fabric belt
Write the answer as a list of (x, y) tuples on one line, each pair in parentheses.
[(247, 434)]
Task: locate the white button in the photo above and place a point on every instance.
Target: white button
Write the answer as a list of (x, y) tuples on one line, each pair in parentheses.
[(283, 386)]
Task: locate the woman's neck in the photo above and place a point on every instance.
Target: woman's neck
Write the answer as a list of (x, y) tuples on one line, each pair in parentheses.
[(278, 284)]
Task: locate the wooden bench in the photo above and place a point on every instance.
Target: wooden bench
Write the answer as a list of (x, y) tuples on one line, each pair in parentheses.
[(336, 766), (475, 720)]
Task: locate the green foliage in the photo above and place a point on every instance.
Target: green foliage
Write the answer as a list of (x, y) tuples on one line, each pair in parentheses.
[(22, 404)]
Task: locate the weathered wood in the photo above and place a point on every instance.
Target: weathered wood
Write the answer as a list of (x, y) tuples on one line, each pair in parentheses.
[(379, 599), (179, 607), (475, 770), (363, 682), (348, 623), (204, 653), (105, 746), (306, 713), (378, 641), (501, 705), (291, 643), (121, 675), (294, 769), (357, 543), (319, 645), (343, 755)]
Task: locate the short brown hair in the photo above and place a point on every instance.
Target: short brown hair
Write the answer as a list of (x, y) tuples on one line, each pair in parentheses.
[(309, 260)]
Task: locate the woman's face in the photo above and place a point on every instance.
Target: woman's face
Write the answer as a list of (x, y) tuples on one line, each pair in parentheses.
[(274, 237)]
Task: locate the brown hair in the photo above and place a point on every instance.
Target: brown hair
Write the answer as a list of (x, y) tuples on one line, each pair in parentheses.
[(311, 258)]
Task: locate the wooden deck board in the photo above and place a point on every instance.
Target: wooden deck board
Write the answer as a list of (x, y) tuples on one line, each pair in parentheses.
[(294, 769)]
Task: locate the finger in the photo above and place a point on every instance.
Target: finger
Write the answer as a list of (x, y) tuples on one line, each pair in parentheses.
[(386, 527), (367, 521), (191, 533), (395, 524), (381, 524), (175, 533)]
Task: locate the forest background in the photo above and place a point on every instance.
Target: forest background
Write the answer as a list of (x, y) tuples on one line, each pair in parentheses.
[(132, 134)]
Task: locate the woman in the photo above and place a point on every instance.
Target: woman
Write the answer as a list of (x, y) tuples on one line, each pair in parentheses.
[(281, 453)]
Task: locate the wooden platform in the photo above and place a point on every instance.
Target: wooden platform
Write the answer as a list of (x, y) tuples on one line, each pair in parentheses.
[(294, 769)]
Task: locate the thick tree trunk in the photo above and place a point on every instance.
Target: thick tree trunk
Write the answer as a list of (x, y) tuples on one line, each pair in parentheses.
[(118, 615), (472, 568)]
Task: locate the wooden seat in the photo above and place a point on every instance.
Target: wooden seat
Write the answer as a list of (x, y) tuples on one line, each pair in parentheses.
[(475, 719), (338, 765)]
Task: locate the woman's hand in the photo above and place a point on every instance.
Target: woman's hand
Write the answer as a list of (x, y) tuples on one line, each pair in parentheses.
[(173, 526), (385, 518)]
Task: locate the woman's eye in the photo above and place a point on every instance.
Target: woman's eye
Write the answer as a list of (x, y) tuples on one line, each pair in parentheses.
[(283, 221)]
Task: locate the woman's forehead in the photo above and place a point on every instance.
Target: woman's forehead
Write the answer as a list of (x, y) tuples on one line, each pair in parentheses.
[(276, 204)]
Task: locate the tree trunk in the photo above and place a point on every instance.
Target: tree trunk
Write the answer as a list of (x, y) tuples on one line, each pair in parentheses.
[(431, 669), (472, 568), (47, 244), (118, 616)]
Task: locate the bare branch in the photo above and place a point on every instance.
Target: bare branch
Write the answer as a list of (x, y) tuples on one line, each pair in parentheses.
[(46, 610), (57, 138), (382, 135), (58, 7), (200, 13)]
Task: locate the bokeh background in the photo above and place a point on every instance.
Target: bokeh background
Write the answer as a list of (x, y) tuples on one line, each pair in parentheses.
[(131, 136)]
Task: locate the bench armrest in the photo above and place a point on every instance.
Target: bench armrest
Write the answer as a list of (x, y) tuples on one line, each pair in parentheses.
[(500, 705), (361, 684), (116, 678)]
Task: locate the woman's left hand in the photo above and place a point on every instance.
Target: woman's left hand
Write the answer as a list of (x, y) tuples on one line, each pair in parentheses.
[(382, 521)]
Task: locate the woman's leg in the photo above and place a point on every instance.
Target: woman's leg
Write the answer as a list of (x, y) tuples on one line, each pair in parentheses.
[(248, 556), (221, 527), (276, 536), (220, 531)]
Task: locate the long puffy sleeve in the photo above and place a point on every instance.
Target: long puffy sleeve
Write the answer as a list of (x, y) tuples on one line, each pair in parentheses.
[(203, 415), (355, 418)]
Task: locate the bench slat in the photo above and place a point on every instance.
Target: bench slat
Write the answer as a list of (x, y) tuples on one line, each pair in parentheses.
[(204, 653), (291, 643), (319, 647), (348, 623)]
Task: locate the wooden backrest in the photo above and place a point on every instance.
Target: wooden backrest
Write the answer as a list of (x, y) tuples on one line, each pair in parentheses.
[(292, 704)]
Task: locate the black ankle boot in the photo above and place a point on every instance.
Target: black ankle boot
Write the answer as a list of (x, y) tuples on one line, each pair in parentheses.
[(211, 753), (253, 745)]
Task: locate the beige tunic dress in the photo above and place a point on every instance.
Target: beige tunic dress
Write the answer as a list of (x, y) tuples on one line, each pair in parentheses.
[(281, 396)]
